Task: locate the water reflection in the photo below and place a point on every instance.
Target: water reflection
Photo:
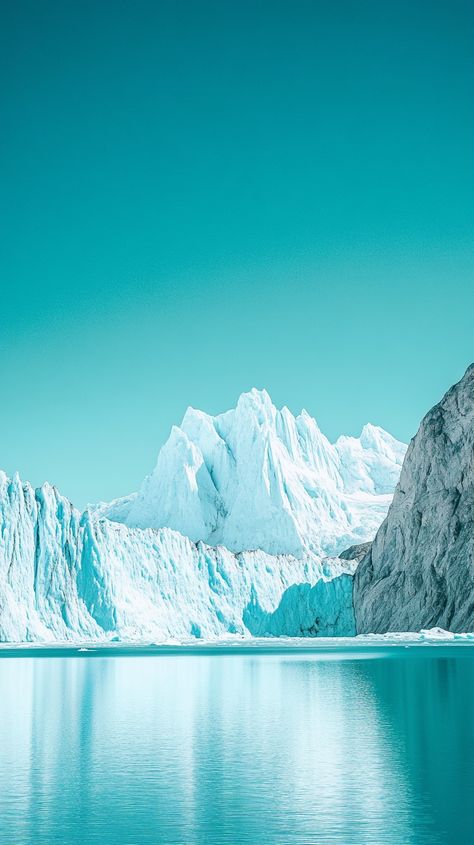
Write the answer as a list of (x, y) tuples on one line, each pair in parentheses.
[(428, 706), (236, 749)]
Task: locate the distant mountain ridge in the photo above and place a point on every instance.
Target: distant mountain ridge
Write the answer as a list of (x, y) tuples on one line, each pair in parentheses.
[(257, 477)]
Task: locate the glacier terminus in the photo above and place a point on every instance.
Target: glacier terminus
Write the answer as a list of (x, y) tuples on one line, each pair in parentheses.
[(237, 531)]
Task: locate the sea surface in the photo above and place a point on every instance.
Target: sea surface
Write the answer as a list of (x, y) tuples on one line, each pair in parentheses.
[(326, 744)]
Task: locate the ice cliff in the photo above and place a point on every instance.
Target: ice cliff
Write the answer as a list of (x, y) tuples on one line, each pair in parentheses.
[(267, 492), (419, 571), (259, 478), (68, 576)]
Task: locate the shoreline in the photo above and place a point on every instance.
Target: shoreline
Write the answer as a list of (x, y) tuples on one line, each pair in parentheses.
[(350, 646)]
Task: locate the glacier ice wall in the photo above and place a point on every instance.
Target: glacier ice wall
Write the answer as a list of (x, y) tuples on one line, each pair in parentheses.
[(321, 609), (259, 478), (67, 576), (263, 497), (40, 557)]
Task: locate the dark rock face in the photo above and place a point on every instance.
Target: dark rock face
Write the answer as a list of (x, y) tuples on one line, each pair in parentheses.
[(355, 552), (419, 571)]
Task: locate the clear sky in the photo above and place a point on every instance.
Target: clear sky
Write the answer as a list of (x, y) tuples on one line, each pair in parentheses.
[(200, 197)]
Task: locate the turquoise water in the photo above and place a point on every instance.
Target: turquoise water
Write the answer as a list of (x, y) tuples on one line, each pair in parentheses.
[(213, 746)]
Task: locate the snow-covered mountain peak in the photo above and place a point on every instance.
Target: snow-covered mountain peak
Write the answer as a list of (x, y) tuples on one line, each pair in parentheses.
[(376, 438), (257, 477), (256, 406), (194, 419)]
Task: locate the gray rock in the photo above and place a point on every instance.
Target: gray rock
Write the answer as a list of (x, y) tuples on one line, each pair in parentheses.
[(355, 552), (419, 571)]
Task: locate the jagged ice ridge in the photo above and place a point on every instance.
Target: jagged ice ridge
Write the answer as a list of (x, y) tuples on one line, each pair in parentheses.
[(253, 478), (260, 478)]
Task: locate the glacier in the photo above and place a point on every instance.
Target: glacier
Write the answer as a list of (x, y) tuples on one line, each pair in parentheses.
[(260, 478), (236, 533), (70, 576)]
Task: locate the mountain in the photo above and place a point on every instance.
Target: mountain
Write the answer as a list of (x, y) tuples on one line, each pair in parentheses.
[(419, 571), (71, 576), (272, 498), (259, 478)]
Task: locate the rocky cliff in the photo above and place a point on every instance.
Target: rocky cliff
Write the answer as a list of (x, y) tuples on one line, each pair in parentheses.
[(419, 571)]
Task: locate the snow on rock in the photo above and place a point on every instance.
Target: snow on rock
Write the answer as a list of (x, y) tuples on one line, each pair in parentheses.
[(436, 634), (419, 571), (259, 478), (67, 576), (431, 636)]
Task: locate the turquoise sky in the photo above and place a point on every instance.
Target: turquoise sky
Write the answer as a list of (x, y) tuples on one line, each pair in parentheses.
[(201, 197)]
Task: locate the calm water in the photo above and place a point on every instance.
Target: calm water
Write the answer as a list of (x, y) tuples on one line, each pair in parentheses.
[(324, 746)]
